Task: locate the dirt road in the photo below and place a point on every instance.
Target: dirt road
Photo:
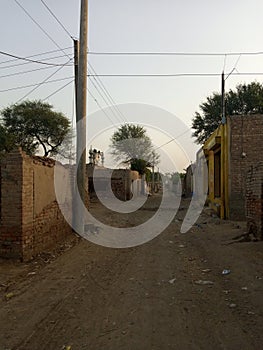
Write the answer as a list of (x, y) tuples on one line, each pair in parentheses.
[(167, 294)]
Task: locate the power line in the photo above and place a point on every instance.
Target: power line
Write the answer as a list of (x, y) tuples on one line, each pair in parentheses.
[(108, 95), (169, 75), (31, 71), (39, 26), (25, 63), (31, 85), (104, 99), (29, 60), (24, 72), (98, 104), (38, 54), (59, 22), (119, 53), (41, 83), (59, 89), (173, 139), (235, 66), (99, 83)]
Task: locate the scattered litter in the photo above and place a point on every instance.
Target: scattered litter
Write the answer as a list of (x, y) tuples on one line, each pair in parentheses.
[(171, 242), (206, 270), (31, 273), (172, 280), (232, 305), (244, 288), (226, 272), (181, 246), (201, 282), (226, 291), (258, 278), (191, 259), (9, 295), (251, 313)]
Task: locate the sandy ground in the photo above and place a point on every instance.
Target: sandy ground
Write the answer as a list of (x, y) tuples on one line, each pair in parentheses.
[(166, 294)]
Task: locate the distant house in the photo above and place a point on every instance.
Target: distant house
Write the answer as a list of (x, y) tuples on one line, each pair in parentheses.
[(230, 151), (188, 181)]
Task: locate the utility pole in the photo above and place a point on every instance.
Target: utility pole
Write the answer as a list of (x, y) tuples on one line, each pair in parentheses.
[(81, 107), (153, 174), (223, 98), (76, 70)]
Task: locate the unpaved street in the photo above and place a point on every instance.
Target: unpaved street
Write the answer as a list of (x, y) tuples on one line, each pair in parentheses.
[(167, 294)]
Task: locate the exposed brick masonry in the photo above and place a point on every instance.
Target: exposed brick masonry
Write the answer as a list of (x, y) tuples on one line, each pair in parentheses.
[(245, 149), (254, 201), (31, 220)]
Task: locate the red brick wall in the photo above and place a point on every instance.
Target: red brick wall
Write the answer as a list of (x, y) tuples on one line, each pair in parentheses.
[(25, 231), (254, 201), (245, 150), (11, 206)]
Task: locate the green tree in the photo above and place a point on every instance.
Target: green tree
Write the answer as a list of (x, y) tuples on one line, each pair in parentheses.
[(6, 141), (131, 145), (33, 125), (247, 99)]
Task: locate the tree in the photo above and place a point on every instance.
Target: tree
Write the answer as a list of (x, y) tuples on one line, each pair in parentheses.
[(34, 125), (131, 145), (247, 99), (6, 141)]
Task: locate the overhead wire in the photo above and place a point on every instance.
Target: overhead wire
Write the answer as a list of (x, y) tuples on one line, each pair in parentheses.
[(38, 54), (61, 49), (41, 83), (60, 23), (173, 139), (162, 53), (102, 109), (31, 85), (170, 75), (112, 110), (101, 86), (235, 66), (25, 63), (40, 27), (108, 95), (26, 72), (29, 60), (59, 89)]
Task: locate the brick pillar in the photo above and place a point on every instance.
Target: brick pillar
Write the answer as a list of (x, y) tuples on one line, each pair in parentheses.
[(11, 205), (27, 208), (254, 201)]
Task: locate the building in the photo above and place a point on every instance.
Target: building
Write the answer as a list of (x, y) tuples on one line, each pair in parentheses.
[(230, 152)]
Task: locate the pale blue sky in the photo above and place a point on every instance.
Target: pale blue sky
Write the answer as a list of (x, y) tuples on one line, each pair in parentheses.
[(134, 25)]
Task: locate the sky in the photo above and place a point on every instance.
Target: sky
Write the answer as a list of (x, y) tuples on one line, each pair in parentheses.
[(164, 105)]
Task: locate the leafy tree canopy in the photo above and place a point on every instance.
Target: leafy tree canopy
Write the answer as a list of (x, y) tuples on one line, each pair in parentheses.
[(245, 100), (33, 125), (130, 144)]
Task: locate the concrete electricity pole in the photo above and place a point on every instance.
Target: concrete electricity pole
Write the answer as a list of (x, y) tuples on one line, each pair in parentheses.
[(81, 107), (76, 70), (223, 98)]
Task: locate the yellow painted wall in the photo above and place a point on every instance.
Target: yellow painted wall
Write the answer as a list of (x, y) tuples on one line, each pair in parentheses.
[(218, 140)]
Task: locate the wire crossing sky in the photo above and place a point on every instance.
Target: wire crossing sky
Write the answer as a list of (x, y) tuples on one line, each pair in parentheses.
[(168, 54)]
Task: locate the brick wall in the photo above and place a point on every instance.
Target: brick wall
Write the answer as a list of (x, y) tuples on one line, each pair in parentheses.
[(245, 150), (31, 220), (254, 201)]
